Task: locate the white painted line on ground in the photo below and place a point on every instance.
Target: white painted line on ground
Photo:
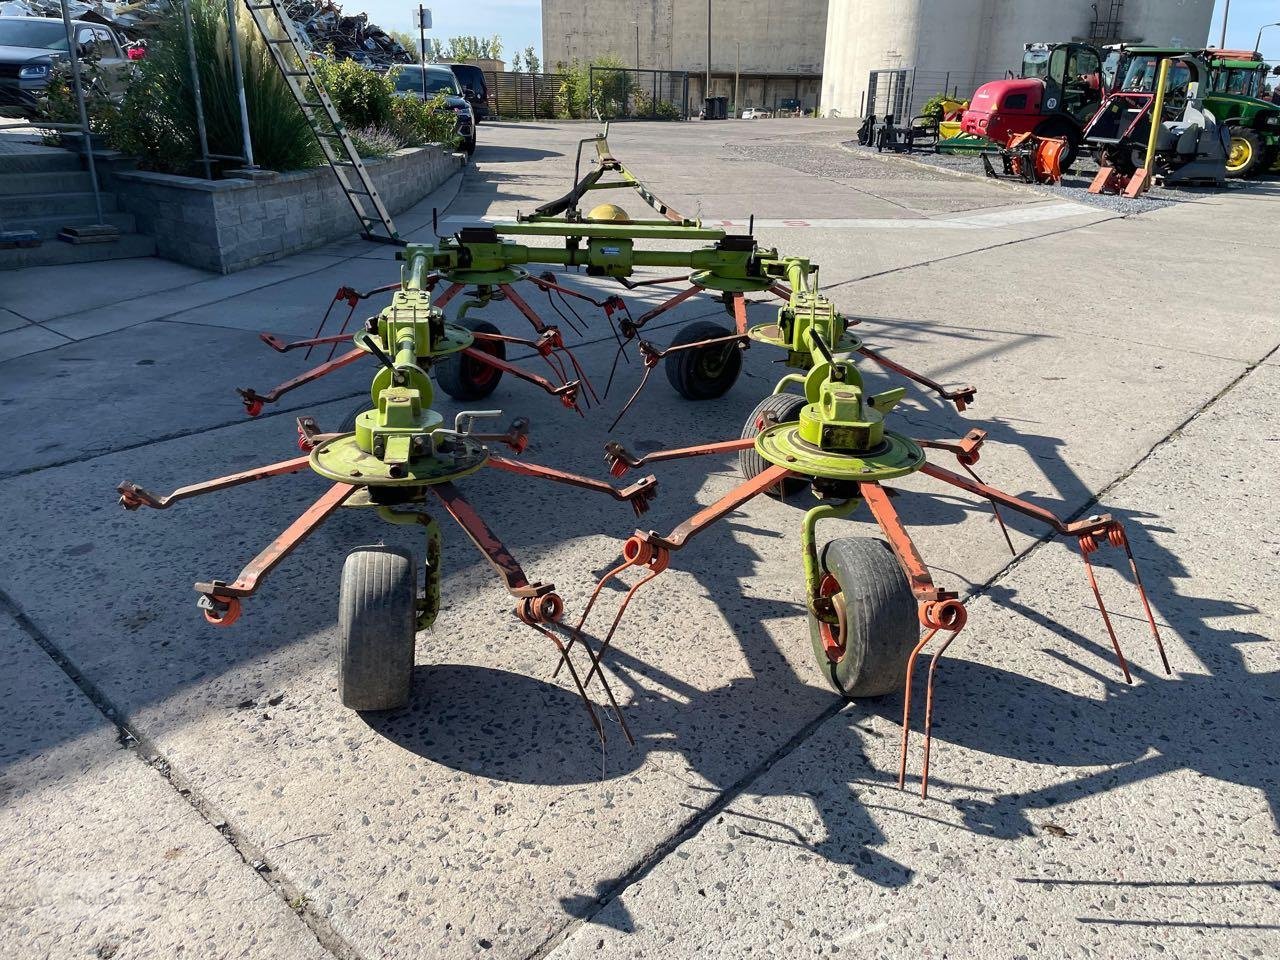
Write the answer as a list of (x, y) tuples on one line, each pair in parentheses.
[(1038, 213)]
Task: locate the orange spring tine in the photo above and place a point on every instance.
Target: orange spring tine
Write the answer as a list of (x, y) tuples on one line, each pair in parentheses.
[(928, 713), (595, 594), (906, 705), (644, 378), (618, 619), (1102, 608), (608, 690), (577, 682), (1146, 606), (343, 329)]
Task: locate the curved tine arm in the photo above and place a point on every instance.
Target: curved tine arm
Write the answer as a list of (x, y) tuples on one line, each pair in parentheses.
[(547, 282), (961, 396), (133, 496), (284, 346), (738, 302), (487, 542), (279, 548), (567, 392), (620, 459), (1076, 528), (639, 494), (904, 548), (655, 282), (705, 517), (692, 291), (253, 400), (519, 303)]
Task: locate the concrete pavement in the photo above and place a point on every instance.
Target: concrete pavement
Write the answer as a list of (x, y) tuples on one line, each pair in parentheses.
[(1131, 359)]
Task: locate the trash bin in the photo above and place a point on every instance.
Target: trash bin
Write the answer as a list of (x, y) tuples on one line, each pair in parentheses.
[(722, 108), (709, 108)]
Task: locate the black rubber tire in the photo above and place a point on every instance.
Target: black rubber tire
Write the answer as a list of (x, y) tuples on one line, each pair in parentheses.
[(466, 379), (881, 625), (377, 618), (348, 424), (1257, 162), (785, 408), (708, 372)]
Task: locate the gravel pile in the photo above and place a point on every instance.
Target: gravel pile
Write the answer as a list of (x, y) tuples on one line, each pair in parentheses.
[(1074, 185)]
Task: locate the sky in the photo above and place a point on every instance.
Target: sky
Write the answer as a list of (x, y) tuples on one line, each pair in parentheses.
[(519, 22)]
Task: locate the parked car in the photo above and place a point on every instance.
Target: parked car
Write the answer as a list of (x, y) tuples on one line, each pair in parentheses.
[(755, 113), (474, 88), (409, 80), (31, 46)]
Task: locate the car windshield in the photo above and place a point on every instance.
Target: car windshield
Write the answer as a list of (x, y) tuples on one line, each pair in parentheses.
[(409, 80), (46, 35), (1035, 62)]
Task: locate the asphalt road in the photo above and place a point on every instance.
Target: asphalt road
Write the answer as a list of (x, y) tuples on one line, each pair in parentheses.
[(170, 789)]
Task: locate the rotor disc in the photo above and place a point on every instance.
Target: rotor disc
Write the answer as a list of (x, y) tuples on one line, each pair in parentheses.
[(342, 459), (897, 456)]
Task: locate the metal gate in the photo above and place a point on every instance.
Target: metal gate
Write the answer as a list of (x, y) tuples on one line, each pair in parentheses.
[(625, 93), (888, 92)]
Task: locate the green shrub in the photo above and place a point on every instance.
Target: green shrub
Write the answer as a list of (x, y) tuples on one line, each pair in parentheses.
[(415, 122), (374, 141), (607, 95), (932, 108), (363, 97)]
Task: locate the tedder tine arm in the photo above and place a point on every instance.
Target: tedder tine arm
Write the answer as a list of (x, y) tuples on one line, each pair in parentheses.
[(567, 392), (654, 552), (253, 401), (538, 603), (961, 396), (620, 459), (284, 346), (1090, 534), (450, 292), (133, 496), (939, 611), (220, 601), (692, 291), (639, 494), (652, 355)]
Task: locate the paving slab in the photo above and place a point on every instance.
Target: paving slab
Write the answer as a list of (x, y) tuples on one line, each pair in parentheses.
[(1069, 814), (27, 339), (99, 854)]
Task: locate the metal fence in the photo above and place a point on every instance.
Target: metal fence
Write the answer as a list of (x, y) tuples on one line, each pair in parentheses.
[(526, 96), (626, 93), (902, 92)]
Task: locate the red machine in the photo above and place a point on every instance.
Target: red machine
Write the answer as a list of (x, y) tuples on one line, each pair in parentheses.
[(1058, 93)]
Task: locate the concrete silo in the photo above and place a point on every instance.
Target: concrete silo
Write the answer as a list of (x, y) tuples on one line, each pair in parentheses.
[(918, 47)]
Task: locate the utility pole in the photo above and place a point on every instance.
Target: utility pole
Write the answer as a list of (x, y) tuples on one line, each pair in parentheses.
[(637, 23), (707, 92), (424, 21), (1226, 12)]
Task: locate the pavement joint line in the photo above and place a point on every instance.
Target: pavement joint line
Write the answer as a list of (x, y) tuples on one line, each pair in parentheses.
[(694, 824), (146, 752)]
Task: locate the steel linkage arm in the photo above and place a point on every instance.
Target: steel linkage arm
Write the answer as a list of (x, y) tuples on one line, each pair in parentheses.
[(133, 496), (220, 601), (538, 605), (620, 460), (567, 392), (961, 396), (640, 494), (254, 401)]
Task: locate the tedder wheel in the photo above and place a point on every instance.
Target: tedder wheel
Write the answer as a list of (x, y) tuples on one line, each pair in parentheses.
[(1246, 154), (377, 617), (866, 655), (703, 373), (348, 424), (463, 378), (785, 408)]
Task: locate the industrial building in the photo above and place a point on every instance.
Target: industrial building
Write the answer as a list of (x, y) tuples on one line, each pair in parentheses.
[(888, 56), (840, 56), (772, 47)]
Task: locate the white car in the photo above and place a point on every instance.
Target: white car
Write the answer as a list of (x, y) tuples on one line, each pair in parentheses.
[(754, 113)]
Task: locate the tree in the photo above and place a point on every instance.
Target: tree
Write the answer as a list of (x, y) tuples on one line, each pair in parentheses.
[(408, 41), (435, 49), (531, 61), (517, 65)]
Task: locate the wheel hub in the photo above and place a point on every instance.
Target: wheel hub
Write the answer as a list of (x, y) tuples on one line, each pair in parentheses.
[(450, 457)]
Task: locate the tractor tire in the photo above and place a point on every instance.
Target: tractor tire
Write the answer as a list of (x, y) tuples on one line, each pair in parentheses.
[(466, 379), (880, 623), (1058, 127), (784, 408), (706, 372), (377, 617), (1248, 153), (348, 424)]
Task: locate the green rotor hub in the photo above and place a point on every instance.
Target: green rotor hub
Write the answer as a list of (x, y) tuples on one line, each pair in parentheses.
[(456, 339), (342, 459), (895, 456), (729, 284), (771, 334)]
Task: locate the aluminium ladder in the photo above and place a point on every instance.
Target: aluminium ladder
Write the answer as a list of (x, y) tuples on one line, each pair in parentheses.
[(277, 30)]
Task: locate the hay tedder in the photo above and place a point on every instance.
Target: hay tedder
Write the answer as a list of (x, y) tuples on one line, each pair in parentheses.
[(873, 605), (488, 263)]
